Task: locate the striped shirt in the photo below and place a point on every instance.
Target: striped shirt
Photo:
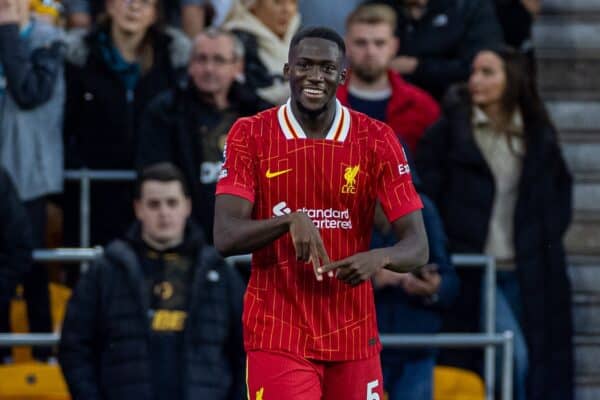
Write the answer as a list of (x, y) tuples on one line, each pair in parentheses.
[(336, 181)]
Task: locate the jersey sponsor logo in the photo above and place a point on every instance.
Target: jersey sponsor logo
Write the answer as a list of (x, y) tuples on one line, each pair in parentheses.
[(350, 177), (210, 172), (281, 209), (403, 169), (322, 218), (275, 174)]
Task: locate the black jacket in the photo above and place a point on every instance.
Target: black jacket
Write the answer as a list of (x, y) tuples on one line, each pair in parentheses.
[(457, 177), (172, 128), (445, 40), (104, 350), (102, 119), (15, 238)]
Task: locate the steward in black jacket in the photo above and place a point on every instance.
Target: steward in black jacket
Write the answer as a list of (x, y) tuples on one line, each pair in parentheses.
[(120, 332), (181, 128), (456, 176)]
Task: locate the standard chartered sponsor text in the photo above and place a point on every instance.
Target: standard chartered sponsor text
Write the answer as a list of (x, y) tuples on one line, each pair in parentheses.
[(328, 218)]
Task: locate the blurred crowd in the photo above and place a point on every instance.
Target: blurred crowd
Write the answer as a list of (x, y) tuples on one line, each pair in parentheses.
[(155, 85)]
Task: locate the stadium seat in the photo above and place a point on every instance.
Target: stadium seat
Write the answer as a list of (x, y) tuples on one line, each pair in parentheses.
[(32, 381), (59, 296), (457, 384)]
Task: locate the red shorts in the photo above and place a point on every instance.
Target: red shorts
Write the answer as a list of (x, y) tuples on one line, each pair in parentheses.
[(275, 376)]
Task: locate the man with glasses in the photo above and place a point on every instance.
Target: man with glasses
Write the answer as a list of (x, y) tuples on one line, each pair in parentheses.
[(188, 126)]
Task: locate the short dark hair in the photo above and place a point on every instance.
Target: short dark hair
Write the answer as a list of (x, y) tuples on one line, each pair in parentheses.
[(162, 172), (320, 32)]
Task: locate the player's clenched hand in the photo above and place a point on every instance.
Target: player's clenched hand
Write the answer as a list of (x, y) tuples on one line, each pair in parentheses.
[(307, 242), (356, 269)]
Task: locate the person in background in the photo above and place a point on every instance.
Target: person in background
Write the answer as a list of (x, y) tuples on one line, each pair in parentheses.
[(15, 251), (158, 316), (188, 126), (372, 87), (331, 13), (516, 17), (265, 27), (413, 303), (439, 38), (494, 167), (112, 73), (32, 96)]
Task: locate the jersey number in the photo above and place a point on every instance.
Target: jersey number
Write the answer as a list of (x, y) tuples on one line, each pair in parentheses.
[(371, 395)]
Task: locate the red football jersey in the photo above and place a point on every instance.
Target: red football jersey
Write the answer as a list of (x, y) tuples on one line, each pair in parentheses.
[(336, 181)]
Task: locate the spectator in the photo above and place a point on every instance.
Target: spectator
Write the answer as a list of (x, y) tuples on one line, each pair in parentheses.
[(158, 316), (196, 14), (516, 19), (266, 27), (112, 73), (330, 13), (372, 87), (15, 251), (494, 167), (84, 13), (438, 39), (32, 95), (413, 304), (188, 126)]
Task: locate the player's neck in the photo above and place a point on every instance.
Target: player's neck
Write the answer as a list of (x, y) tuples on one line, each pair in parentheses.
[(315, 124)]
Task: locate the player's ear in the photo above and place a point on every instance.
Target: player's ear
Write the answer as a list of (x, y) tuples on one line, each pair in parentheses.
[(286, 71), (342, 78)]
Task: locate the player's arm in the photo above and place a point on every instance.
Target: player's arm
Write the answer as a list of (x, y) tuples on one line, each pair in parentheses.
[(235, 232), (411, 252)]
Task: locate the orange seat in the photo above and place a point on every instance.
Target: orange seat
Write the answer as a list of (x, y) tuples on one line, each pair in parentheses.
[(32, 381), (451, 383)]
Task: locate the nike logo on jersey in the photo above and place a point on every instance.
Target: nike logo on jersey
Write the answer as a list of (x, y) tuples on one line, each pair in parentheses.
[(275, 174)]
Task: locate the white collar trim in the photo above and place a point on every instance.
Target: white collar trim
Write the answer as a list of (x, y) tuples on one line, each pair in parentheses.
[(292, 130)]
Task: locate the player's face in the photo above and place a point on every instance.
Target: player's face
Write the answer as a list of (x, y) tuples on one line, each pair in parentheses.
[(162, 210), (370, 48), (488, 79), (315, 71), (213, 66)]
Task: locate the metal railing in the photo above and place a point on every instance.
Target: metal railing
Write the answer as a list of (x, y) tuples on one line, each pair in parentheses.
[(488, 340), (85, 254)]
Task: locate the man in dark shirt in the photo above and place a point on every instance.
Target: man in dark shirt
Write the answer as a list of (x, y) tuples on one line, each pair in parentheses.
[(188, 126), (158, 316)]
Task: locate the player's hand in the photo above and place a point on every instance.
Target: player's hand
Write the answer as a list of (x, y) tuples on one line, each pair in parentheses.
[(426, 284), (9, 12), (356, 269), (307, 242)]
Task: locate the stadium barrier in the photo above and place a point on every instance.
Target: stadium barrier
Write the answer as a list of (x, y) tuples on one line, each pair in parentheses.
[(86, 254)]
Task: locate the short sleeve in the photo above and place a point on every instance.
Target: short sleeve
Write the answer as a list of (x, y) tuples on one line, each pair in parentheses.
[(395, 189), (237, 176)]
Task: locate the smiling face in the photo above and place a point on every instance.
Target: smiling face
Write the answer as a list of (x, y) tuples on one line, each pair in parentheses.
[(314, 71)]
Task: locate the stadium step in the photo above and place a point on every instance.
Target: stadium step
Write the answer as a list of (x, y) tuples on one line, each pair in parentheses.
[(567, 41)]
